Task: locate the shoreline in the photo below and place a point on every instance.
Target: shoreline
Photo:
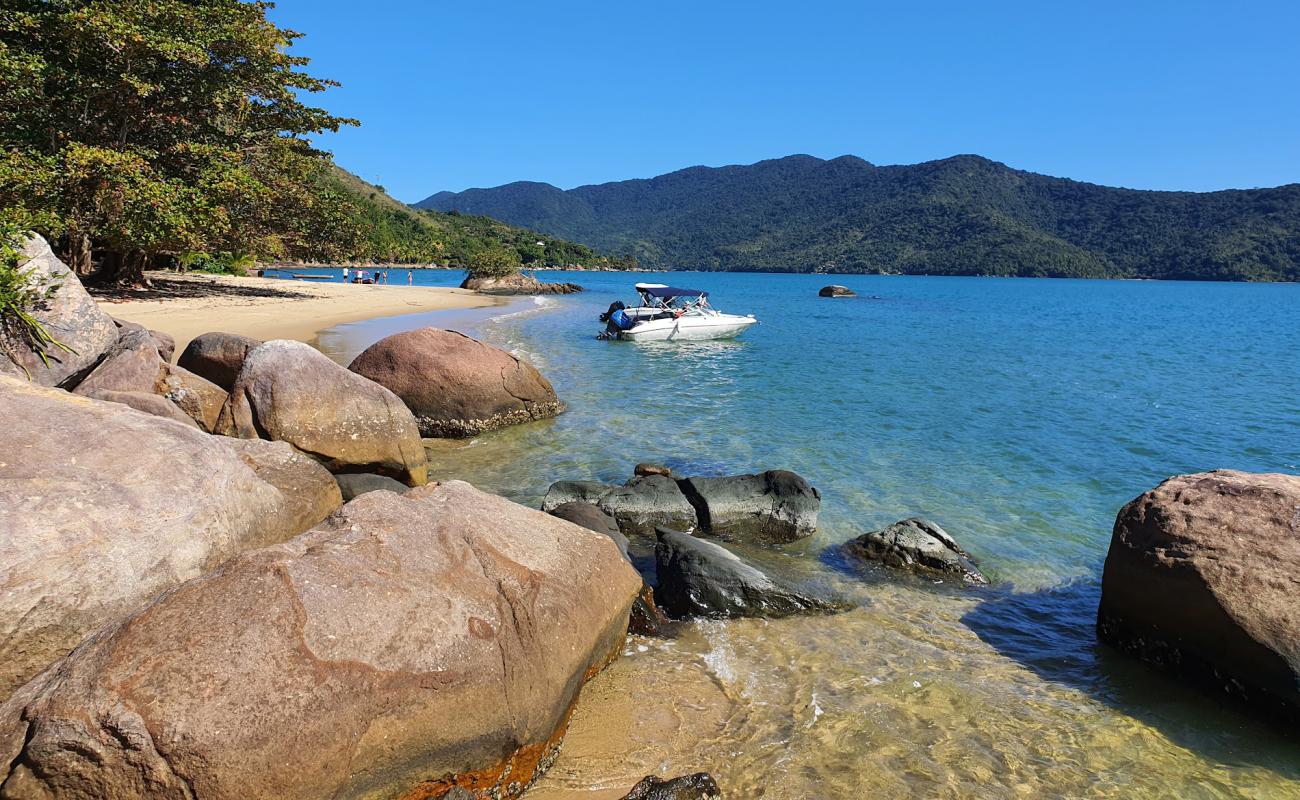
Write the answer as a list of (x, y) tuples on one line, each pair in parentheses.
[(186, 306)]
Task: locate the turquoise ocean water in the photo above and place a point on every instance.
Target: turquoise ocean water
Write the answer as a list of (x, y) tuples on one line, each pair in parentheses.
[(1019, 414)]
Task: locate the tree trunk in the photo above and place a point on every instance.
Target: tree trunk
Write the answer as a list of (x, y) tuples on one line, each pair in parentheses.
[(124, 269), (77, 253)]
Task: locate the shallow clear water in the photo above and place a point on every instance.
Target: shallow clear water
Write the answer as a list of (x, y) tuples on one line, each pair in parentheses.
[(1020, 415)]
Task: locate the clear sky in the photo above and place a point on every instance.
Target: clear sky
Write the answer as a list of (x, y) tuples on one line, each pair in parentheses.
[(1155, 95)]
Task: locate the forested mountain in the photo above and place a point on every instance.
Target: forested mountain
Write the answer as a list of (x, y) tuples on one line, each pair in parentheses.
[(964, 215), (385, 230)]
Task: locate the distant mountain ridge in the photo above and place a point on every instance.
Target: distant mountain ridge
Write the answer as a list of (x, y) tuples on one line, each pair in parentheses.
[(964, 215)]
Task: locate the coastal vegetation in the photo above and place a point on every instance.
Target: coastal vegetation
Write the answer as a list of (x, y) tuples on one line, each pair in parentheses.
[(964, 215), (150, 133)]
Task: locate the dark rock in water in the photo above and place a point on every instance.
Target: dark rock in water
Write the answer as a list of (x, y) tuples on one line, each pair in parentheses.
[(918, 545), (217, 356), (835, 290), (593, 519), (358, 483), (699, 578), (562, 492), (647, 619), (68, 313), (457, 386), (518, 283), (644, 503), (1201, 579), (699, 786), (644, 469), (773, 507)]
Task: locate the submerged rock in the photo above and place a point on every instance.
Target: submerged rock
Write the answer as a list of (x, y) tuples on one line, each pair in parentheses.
[(644, 503), (773, 507), (68, 314), (835, 290), (354, 484), (518, 283), (1201, 579), (218, 357), (102, 508), (918, 545), (699, 786), (289, 392), (408, 645), (457, 386), (562, 492), (699, 578)]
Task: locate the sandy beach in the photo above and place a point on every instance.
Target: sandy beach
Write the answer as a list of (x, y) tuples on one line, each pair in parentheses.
[(185, 306)]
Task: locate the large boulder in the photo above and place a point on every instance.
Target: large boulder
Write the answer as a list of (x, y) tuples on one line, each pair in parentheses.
[(917, 545), (699, 578), (517, 283), (289, 392), (68, 314), (1201, 578), (593, 519), (217, 356), (835, 290), (409, 645), (132, 364), (309, 490), (200, 398), (647, 502), (457, 386), (773, 507), (101, 508), (154, 404)]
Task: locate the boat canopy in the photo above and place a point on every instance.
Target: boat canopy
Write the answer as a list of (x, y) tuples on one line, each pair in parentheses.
[(666, 292)]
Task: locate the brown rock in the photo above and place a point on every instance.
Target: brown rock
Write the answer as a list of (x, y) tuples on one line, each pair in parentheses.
[(289, 392), (408, 645), (652, 469), (518, 283), (217, 356), (457, 386), (198, 397), (148, 403), (309, 490), (69, 314), (101, 508), (1201, 579), (132, 364)]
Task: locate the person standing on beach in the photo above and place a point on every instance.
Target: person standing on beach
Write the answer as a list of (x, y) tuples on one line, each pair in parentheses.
[(410, 278), (345, 274)]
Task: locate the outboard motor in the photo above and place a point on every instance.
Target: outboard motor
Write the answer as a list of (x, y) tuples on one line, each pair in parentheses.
[(617, 305)]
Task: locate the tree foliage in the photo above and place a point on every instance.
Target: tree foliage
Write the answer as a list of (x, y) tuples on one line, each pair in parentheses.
[(144, 129), (960, 216)]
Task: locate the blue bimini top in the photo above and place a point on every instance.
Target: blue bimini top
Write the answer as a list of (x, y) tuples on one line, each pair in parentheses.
[(666, 292)]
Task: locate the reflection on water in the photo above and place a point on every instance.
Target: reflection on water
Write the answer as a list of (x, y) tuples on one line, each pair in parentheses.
[(1020, 415)]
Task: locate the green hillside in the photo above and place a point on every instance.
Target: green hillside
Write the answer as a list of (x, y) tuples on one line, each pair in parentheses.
[(964, 215), (388, 231)]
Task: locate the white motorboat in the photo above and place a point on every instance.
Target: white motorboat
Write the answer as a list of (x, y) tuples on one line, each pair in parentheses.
[(668, 313)]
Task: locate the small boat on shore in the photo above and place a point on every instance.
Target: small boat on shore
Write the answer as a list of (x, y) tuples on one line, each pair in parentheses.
[(668, 313)]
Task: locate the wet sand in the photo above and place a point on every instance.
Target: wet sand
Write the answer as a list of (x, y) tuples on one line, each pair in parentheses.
[(185, 306)]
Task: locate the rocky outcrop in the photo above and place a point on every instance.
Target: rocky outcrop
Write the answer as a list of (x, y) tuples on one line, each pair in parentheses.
[(1201, 579), (289, 392), (699, 578), (918, 545), (101, 508), (68, 314), (699, 786), (562, 492), (358, 483), (131, 364), (644, 503), (408, 645), (773, 507), (156, 405), (217, 357), (835, 290), (518, 283), (457, 386)]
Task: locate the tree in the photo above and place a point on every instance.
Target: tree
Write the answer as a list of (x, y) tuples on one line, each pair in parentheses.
[(496, 262), (148, 128)]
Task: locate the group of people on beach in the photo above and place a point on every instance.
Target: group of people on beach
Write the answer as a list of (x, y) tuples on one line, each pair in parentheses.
[(364, 276)]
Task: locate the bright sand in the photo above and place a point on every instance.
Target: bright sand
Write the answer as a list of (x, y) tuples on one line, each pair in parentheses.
[(296, 310)]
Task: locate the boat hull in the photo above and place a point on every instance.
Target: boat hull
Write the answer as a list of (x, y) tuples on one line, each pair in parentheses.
[(689, 329)]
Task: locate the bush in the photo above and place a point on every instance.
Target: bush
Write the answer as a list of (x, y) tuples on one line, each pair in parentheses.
[(496, 263), (217, 263)]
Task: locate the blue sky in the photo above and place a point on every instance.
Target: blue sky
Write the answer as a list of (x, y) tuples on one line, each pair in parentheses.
[(1154, 95)]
